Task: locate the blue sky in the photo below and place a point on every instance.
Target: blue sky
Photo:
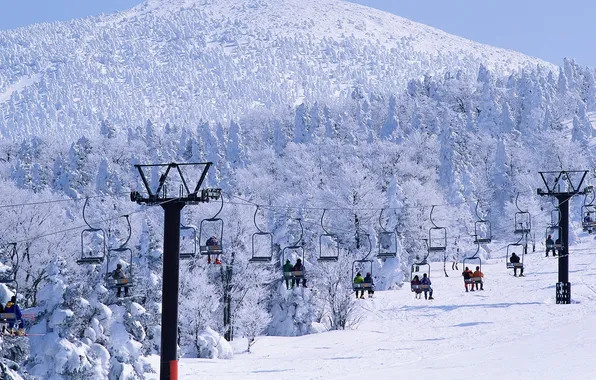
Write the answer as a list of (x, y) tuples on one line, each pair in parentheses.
[(546, 29)]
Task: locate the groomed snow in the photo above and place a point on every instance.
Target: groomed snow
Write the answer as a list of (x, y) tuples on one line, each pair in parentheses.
[(512, 330)]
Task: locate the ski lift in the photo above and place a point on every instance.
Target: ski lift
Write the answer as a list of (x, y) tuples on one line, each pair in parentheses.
[(511, 248), (387, 241), (212, 227), (437, 236), (124, 282), (553, 238), (92, 256), (588, 212), (10, 274), (482, 228), (188, 251), (264, 253), (357, 267), (522, 219), (330, 242), (473, 258), (298, 248), (416, 271)]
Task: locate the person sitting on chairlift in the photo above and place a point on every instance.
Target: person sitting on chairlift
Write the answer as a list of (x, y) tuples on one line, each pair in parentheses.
[(359, 280), (478, 274), (426, 281), (212, 241), (298, 267), (514, 259), (550, 245), (13, 307), (119, 275), (467, 274), (587, 218), (416, 281), (288, 267), (369, 280)]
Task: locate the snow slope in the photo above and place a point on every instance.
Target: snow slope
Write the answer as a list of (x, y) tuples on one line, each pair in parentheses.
[(181, 62), (512, 330), (339, 20)]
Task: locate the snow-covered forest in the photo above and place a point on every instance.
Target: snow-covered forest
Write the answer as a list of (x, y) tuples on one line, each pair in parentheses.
[(352, 111)]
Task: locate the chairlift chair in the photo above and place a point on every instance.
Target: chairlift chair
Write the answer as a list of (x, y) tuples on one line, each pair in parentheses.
[(362, 263), (511, 248), (188, 251), (473, 258), (257, 253), (415, 271), (10, 275), (555, 232), (588, 217), (482, 228), (91, 256), (437, 236), (522, 220), (206, 230), (298, 248), (387, 241), (328, 244), (127, 282)]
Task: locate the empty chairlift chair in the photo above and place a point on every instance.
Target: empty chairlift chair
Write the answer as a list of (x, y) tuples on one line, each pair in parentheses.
[(188, 242), (387, 241), (522, 220), (93, 243), (261, 243), (437, 236), (482, 228), (328, 244)]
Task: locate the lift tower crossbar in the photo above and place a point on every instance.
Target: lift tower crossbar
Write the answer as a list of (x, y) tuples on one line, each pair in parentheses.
[(559, 184), (172, 206)]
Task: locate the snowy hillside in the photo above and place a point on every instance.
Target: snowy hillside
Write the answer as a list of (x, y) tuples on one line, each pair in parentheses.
[(186, 61), (318, 116), (511, 330)]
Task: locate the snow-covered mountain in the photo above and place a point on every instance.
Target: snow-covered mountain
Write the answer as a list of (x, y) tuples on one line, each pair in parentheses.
[(186, 61), (306, 108)]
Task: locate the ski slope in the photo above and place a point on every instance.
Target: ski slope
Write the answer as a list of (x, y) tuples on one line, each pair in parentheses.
[(511, 330)]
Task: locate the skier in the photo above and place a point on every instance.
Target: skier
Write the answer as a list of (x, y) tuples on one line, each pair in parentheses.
[(426, 281), (550, 245), (287, 268), (12, 307), (478, 274), (369, 280), (514, 259), (359, 280), (120, 278), (467, 274), (415, 282), (298, 267)]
